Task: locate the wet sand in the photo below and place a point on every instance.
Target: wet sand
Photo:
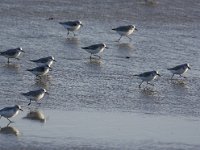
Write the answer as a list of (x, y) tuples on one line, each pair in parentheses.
[(97, 104)]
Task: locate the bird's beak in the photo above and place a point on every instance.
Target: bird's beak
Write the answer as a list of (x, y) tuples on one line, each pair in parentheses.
[(107, 47), (158, 75), (47, 93), (21, 109), (81, 24), (189, 68), (23, 51), (136, 29), (54, 60)]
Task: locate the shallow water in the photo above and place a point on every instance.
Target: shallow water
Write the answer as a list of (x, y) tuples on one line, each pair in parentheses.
[(100, 130), (168, 35)]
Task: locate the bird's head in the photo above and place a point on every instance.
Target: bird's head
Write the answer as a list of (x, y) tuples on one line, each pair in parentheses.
[(133, 27), (18, 107)]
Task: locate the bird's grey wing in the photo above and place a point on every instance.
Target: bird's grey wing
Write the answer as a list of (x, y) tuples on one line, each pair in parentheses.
[(93, 47), (122, 28), (41, 60), (31, 93), (5, 109), (9, 52), (145, 74), (176, 68), (69, 23), (39, 69)]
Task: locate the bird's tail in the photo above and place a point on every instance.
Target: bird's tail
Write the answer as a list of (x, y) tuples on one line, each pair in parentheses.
[(29, 70), (33, 60), (85, 47), (136, 75), (61, 23), (23, 94)]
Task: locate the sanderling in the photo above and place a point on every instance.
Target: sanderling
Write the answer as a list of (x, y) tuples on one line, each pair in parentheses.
[(94, 49), (12, 53), (44, 61), (179, 70), (125, 31), (9, 112), (147, 76), (72, 25), (35, 95), (40, 71)]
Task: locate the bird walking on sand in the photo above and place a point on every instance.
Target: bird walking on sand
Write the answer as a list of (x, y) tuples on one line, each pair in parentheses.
[(125, 31), (71, 26), (44, 61), (12, 53), (147, 76), (9, 112), (35, 95), (179, 70), (94, 49), (40, 71)]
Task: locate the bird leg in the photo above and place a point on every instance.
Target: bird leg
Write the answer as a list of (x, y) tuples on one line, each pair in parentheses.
[(98, 56), (67, 32), (10, 120), (182, 76), (172, 76), (140, 84), (119, 38), (150, 84), (29, 102), (8, 61), (8, 124), (129, 38), (74, 33)]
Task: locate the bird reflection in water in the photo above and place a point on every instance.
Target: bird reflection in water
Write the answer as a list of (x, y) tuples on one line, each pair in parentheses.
[(149, 91), (95, 61), (12, 67), (72, 40), (9, 130), (36, 115)]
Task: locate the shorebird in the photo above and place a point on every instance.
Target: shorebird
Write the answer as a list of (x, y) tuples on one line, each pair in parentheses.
[(125, 31), (72, 26), (44, 61), (40, 71), (179, 70), (147, 76), (12, 53), (35, 95), (94, 49), (9, 112)]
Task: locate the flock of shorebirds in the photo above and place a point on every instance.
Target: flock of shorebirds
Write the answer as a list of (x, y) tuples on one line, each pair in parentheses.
[(44, 65)]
